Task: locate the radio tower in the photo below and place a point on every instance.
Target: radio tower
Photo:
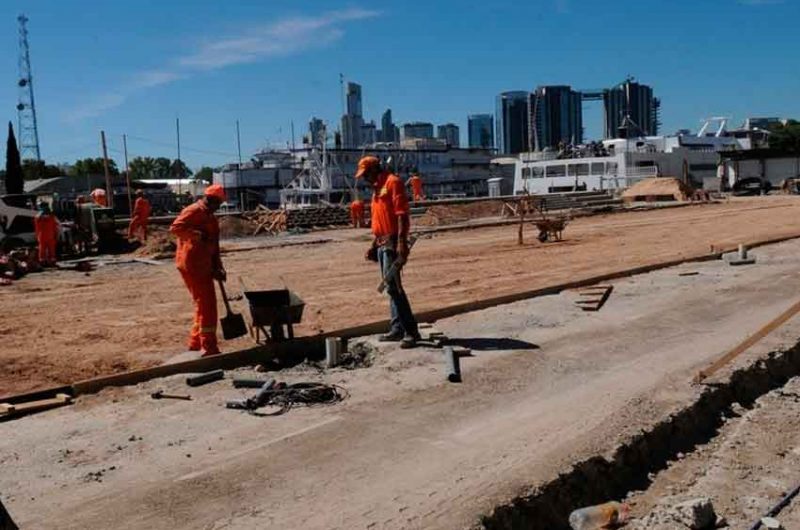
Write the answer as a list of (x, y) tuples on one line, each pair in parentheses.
[(27, 130)]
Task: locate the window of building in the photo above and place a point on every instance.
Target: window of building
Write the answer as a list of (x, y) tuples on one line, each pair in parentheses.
[(582, 169), (556, 171), (597, 168), (611, 168), (538, 172), (526, 173)]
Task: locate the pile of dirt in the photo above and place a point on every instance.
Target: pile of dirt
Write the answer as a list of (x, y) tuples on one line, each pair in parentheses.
[(235, 226), (458, 213), (658, 189), (160, 244)]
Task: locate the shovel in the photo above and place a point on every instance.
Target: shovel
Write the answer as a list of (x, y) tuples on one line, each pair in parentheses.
[(233, 325)]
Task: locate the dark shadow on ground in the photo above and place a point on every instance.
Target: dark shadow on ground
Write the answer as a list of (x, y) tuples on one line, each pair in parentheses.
[(492, 344)]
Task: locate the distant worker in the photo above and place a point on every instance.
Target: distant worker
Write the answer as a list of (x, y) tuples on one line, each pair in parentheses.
[(416, 187), (139, 217), (390, 227), (99, 197), (46, 227), (357, 213), (198, 260)]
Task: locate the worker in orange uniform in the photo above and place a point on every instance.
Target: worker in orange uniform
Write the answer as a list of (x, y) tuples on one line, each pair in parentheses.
[(46, 227), (390, 226), (416, 187), (357, 213), (199, 263), (99, 197), (139, 217)]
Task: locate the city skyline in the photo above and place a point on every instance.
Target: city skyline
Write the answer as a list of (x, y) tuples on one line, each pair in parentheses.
[(135, 68)]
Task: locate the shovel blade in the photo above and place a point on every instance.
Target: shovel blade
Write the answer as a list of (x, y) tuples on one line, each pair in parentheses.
[(233, 326)]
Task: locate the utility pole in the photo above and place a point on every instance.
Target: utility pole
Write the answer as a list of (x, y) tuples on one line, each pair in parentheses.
[(180, 166), (109, 189), (291, 123), (127, 173), (239, 168)]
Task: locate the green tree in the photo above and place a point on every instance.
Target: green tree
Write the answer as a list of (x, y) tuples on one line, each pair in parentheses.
[(92, 166), (38, 169), (13, 176), (179, 170), (786, 138), (142, 168), (205, 173), (163, 167)]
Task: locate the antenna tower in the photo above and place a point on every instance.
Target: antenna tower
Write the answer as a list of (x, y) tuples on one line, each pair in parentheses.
[(27, 129)]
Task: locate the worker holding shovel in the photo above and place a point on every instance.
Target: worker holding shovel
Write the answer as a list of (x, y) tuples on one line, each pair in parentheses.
[(390, 225), (198, 260)]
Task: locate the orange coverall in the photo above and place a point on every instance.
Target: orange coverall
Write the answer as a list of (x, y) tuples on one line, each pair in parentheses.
[(139, 218), (416, 187), (197, 258), (46, 228), (357, 213)]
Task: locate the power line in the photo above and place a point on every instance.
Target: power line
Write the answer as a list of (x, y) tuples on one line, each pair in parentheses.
[(173, 145)]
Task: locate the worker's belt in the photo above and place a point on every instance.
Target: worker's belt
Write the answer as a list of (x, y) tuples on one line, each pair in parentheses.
[(389, 242)]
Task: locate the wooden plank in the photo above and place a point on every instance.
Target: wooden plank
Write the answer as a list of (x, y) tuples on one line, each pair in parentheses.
[(39, 394), (749, 342)]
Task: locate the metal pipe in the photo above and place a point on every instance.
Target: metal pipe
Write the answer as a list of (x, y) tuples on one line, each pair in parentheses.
[(207, 377), (453, 366), (775, 510)]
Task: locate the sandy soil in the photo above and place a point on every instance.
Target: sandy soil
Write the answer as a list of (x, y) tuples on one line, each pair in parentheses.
[(548, 385), (59, 327), (745, 470)]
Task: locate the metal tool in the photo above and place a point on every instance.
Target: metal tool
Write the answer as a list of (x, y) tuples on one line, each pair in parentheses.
[(233, 325), (396, 267), (208, 377), (161, 395)]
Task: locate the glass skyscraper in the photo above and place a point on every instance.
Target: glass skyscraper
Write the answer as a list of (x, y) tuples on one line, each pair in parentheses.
[(512, 122), (480, 130)]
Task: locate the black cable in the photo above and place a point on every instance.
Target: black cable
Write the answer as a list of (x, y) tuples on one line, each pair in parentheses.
[(308, 394)]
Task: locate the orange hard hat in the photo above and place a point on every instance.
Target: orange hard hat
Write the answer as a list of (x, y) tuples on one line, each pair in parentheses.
[(365, 164), (216, 191)]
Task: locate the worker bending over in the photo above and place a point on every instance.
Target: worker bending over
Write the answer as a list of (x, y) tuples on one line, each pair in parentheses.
[(139, 217), (46, 226), (416, 187), (99, 197), (199, 263), (357, 213), (390, 225)]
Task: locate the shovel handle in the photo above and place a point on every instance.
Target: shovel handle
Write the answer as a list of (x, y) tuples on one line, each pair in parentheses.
[(224, 296)]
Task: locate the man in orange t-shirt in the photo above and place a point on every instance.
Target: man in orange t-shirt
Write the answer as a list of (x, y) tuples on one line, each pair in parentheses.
[(416, 187), (197, 259), (46, 226), (357, 213), (390, 226)]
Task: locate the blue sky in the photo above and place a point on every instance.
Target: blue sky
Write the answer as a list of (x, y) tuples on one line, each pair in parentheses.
[(134, 66)]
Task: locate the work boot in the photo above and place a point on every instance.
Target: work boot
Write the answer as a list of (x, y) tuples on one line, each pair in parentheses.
[(394, 336), (410, 341)]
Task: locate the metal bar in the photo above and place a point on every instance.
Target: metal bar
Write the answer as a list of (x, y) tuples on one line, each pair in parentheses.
[(775, 510)]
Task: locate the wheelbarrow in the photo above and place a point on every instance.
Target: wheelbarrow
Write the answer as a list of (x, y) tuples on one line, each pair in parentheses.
[(274, 309)]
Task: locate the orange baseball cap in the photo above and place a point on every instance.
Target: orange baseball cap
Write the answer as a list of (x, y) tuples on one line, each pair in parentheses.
[(365, 164), (216, 191)]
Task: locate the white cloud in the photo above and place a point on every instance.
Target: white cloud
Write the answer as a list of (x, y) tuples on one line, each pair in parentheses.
[(287, 36)]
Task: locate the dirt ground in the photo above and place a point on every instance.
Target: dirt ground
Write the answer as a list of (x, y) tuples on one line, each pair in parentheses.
[(744, 471), (59, 327), (548, 385)]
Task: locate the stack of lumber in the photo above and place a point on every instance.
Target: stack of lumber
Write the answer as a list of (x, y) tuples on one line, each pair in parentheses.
[(268, 221)]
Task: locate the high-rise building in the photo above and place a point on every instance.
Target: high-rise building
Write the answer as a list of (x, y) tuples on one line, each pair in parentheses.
[(449, 132), (316, 131), (417, 129), (512, 122), (635, 102), (369, 133), (480, 129), (354, 99), (352, 121), (556, 117), (389, 131)]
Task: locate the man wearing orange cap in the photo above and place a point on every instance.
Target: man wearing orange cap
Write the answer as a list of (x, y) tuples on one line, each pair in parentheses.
[(199, 263), (139, 217), (390, 225), (416, 187), (357, 213)]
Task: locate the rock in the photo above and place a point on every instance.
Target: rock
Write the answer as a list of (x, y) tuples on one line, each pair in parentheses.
[(771, 523), (721, 522), (697, 514)]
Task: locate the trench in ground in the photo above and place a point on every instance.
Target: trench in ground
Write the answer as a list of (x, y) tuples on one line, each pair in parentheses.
[(599, 479)]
